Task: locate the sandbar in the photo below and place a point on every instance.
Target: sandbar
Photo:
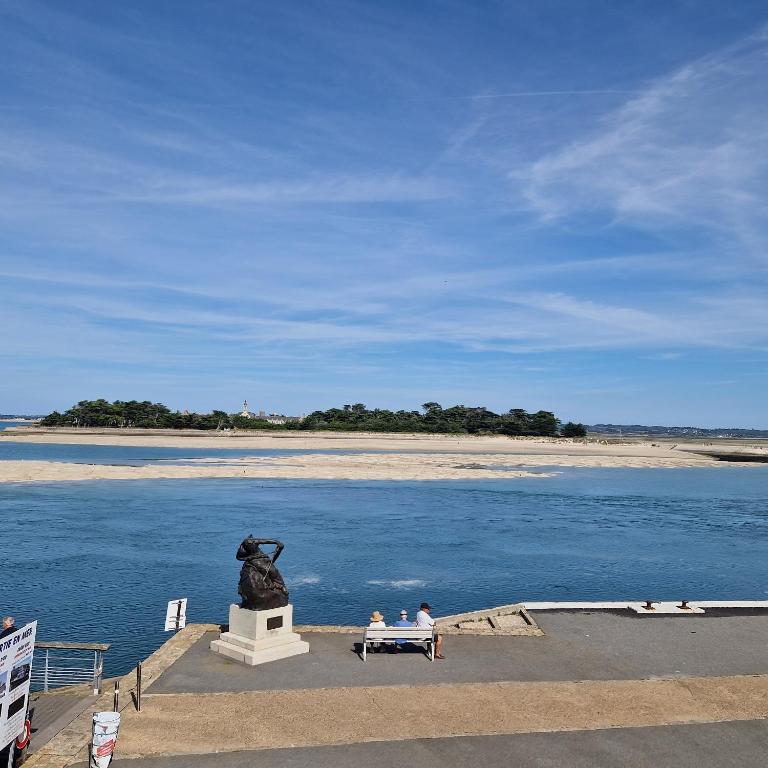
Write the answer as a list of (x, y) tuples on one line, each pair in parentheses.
[(366, 456), (357, 441), (360, 466)]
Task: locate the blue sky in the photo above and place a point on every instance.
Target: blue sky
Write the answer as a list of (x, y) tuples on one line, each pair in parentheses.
[(555, 205)]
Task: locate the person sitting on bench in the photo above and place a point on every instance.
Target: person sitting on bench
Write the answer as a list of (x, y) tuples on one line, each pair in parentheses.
[(403, 622), (423, 619), (377, 622)]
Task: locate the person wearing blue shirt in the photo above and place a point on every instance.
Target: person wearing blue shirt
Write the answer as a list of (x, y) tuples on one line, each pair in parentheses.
[(403, 622)]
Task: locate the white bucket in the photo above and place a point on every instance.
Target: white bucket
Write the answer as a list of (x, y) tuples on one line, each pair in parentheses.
[(105, 727)]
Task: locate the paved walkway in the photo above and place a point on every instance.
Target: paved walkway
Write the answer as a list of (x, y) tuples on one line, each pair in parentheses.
[(598, 689), (576, 646), (718, 745)]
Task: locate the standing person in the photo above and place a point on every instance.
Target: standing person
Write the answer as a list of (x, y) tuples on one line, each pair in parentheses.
[(9, 626), (423, 619), (403, 622), (377, 622)]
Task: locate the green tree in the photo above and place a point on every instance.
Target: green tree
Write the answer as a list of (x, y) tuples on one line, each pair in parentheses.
[(569, 429), (544, 424)]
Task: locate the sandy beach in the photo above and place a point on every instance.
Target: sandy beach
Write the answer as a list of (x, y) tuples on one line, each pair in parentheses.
[(406, 457), (374, 441)]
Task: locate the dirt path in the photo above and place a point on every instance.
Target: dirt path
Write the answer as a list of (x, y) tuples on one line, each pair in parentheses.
[(195, 723)]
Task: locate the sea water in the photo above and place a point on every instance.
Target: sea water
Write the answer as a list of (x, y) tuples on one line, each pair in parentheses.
[(8, 424), (137, 455), (98, 561)]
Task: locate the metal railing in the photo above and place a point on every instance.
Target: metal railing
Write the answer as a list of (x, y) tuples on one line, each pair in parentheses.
[(57, 664)]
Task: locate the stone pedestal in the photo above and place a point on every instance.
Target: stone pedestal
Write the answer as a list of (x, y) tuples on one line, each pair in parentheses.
[(256, 637)]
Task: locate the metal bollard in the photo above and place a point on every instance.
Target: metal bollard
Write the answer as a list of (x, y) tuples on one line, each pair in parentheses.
[(138, 687), (116, 699)]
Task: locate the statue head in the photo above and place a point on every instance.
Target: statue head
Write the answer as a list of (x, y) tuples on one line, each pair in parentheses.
[(249, 548)]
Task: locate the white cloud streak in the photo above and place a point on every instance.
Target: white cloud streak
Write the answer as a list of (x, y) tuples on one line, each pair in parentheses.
[(691, 150), (316, 227), (536, 94)]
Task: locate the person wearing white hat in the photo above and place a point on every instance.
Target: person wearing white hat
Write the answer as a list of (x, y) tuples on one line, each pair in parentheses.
[(403, 622)]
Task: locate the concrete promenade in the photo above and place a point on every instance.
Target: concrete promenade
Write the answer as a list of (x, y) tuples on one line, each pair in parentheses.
[(719, 745), (597, 689)]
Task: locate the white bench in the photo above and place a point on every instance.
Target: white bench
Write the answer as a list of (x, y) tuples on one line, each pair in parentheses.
[(424, 635)]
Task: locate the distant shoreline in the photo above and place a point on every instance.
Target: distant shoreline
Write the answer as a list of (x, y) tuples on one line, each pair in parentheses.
[(241, 438), (18, 421)]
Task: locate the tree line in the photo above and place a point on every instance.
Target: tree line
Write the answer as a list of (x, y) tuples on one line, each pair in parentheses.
[(458, 419), (433, 418), (132, 413)]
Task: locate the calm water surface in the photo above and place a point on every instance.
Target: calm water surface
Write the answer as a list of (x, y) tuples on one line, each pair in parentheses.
[(135, 455), (6, 424), (99, 560)]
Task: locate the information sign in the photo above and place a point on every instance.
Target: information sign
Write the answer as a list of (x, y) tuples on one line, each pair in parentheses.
[(15, 672), (176, 615)]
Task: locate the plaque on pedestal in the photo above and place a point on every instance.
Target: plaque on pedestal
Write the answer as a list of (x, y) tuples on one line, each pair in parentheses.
[(255, 637)]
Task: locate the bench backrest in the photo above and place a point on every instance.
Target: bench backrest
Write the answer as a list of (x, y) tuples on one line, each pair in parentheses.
[(399, 633)]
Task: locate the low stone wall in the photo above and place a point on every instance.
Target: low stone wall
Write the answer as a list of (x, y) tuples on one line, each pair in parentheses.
[(510, 620)]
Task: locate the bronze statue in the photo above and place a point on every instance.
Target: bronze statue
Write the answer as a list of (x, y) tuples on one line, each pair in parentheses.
[(261, 585)]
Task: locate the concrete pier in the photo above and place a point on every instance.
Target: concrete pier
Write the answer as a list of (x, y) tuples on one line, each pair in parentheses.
[(596, 687)]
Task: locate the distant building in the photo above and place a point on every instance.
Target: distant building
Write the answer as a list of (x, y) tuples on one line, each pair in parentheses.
[(272, 418)]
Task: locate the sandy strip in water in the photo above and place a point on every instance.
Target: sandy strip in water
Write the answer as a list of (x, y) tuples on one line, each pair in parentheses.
[(407, 457), (363, 441), (358, 466)]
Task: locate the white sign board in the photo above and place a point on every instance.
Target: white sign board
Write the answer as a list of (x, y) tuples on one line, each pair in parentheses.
[(176, 615), (15, 672)]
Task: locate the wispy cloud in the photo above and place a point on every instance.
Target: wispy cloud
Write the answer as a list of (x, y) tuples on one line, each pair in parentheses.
[(690, 150), (667, 356), (536, 94), (97, 176), (329, 205), (321, 190)]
